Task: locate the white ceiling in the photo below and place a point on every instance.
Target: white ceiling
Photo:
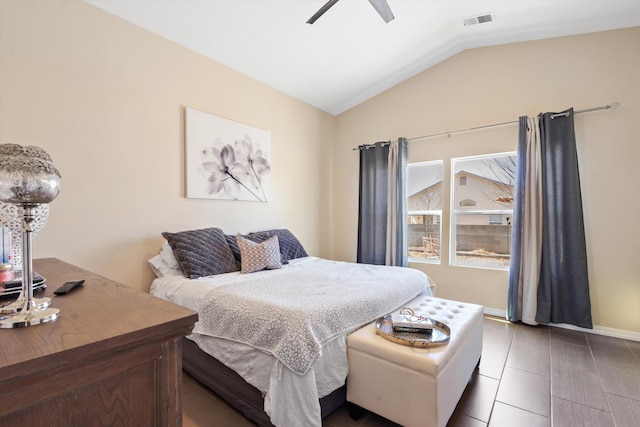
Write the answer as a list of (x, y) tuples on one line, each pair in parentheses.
[(350, 54)]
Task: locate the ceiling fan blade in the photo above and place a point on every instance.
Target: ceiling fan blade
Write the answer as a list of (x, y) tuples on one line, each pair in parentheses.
[(383, 9), (321, 11)]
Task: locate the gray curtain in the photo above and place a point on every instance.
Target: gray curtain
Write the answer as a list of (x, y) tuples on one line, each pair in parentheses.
[(382, 208), (397, 205), (527, 226), (548, 278), (563, 291)]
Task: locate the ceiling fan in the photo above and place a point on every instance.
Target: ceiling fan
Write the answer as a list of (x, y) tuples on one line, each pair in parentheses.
[(381, 6)]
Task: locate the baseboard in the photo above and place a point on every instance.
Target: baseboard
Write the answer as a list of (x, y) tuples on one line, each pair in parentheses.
[(597, 330), (495, 312)]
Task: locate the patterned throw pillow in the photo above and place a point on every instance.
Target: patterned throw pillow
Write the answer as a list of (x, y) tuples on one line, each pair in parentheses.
[(259, 256), (232, 241), (203, 252), (290, 246)]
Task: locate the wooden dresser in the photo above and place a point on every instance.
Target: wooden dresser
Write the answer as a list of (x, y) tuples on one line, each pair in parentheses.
[(112, 358)]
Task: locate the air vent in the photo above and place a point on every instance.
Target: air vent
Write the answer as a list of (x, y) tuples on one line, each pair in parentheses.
[(478, 19)]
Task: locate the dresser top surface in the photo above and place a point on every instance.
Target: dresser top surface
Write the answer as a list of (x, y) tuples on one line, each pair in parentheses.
[(99, 316)]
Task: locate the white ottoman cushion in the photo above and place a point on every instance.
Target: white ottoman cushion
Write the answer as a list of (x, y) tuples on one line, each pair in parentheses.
[(410, 385)]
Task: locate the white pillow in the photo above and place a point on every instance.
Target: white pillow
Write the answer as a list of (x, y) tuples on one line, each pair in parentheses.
[(165, 263)]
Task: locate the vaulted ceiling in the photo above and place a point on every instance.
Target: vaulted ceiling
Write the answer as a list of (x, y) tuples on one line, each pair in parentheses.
[(350, 54)]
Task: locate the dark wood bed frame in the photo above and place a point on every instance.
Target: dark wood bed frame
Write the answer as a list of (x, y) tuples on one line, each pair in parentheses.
[(231, 387)]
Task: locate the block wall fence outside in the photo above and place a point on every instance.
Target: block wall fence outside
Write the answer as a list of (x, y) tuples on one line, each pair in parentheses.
[(492, 238)]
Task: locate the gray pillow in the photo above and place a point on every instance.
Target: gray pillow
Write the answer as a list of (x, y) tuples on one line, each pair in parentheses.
[(290, 246), (203, 252)]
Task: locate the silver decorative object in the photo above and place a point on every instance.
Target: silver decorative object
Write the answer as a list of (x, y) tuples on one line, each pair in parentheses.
[(27, 179)]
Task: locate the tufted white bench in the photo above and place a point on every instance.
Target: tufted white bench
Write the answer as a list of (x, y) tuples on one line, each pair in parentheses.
[(416, 386)]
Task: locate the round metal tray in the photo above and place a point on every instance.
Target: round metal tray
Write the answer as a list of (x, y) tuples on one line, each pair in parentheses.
[(439, 336)]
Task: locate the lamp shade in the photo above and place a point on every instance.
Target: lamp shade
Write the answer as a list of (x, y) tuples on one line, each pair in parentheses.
[(27, 175)]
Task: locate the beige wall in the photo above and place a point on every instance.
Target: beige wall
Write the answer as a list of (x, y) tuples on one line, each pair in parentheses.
[(497, 84), (105, 99)]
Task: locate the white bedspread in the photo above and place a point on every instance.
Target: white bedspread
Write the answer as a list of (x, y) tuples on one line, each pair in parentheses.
[(290, 399), (291, 313)]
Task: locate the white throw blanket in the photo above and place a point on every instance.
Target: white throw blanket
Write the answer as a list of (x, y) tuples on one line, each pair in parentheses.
[(292, 312)]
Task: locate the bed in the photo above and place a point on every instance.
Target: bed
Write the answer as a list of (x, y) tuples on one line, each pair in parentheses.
[(273, 321)]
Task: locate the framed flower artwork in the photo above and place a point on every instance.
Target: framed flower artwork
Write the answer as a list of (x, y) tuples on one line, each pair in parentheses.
[(226, 159)]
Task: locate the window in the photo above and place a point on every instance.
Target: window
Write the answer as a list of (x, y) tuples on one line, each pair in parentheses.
[(481, 208), (424, 206)]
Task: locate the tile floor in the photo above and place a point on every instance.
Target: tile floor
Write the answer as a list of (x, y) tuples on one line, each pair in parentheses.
[(528, 377)]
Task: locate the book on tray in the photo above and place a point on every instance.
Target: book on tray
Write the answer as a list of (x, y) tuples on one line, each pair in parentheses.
[(412, 323)]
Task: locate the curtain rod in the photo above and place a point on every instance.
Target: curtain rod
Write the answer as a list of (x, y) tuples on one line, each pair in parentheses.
[(612, 106)]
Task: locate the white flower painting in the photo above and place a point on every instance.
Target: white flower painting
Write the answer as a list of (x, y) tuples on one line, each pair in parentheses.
[(226, 159)]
